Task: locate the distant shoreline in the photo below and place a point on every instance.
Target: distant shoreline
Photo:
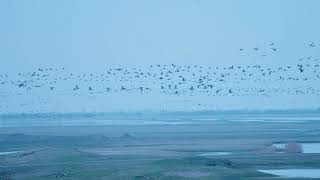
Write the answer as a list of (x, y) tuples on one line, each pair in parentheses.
[(204, 112)]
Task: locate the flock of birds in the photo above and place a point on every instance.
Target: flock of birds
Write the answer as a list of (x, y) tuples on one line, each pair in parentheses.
[(177, 80)]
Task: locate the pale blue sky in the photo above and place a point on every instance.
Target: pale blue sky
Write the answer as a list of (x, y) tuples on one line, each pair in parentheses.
[(92, 35), (98, 32)]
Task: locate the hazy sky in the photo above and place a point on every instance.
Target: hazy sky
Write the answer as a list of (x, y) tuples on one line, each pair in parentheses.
[(94, 34), (97, 32)]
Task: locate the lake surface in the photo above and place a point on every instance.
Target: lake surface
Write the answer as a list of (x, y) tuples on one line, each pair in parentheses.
[(215, 154), (136, 119), (308, 148), (294, 173), (9, 152)]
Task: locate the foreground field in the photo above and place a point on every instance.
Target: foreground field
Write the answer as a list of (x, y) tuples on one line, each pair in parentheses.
[(198, 146)]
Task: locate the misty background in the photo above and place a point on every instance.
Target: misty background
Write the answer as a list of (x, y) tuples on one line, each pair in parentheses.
[(91, 36)]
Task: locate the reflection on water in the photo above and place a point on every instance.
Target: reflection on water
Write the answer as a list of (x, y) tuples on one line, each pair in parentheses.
[(215, 154), (307, 148), (9, 152), (124, 119), (294, 173)]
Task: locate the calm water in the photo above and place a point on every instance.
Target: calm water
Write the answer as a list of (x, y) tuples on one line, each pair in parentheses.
[(294, 173), (154, 119), (307, 148), (215, 154), (9, 152)]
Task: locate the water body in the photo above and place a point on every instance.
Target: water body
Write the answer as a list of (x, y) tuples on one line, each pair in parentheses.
[(92, 122), (9, 152), (121, 119), (308, 148), (215, 154), (269, 121), (294, 173)]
